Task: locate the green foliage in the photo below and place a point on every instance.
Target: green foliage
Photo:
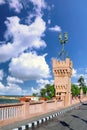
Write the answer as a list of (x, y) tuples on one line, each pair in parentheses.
[(84, 88), (35, 94), (82, 84), (47, 92), (81, 81), (43, 92), (75, 90)]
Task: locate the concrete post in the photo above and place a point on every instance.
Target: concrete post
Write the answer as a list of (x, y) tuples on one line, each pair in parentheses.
[(44, 106), (81, 93), (25, 109)]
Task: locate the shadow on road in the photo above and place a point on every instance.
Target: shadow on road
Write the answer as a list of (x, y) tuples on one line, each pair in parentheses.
[(79, 118), (66, 125), (82, 103)]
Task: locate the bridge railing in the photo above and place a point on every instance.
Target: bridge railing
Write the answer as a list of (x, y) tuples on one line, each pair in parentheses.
[(23, 110), (8, 111)]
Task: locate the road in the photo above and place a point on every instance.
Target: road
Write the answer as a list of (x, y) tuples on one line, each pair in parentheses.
[(73, 120)]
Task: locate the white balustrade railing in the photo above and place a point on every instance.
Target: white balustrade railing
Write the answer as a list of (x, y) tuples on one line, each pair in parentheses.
[(24, 110), (8, 111)]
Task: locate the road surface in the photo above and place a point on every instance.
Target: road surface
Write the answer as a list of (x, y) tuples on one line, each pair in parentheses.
[(73, 120)]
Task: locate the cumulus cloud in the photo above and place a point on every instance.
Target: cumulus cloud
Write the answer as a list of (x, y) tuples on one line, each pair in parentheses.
[(77, 73), (1, 74), (11, 79), (33, 90), (11, 89), (41, 84), (29, 66), (74, 72), (49, 21), (56, 28), (16, 5), (2, 2), (38, 5), (22, 36)]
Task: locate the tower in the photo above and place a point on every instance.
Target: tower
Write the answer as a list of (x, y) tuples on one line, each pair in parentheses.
[(62, 71)]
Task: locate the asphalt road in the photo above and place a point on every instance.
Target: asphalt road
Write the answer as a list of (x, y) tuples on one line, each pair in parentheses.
[(73, 120)]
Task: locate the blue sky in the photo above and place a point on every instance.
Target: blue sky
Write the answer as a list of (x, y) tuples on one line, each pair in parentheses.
[(29, 40)]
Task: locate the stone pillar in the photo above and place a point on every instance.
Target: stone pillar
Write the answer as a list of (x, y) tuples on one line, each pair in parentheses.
[(44, 106), (62, 71), (25, 109), (81, 93)]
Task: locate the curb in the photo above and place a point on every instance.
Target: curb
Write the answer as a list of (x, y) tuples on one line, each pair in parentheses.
[(34, 124)]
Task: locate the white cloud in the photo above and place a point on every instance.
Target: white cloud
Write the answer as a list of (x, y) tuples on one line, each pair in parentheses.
[(13, 80), (11, 89), (49, 21), (41, 84), (23, 37), (56, 28), (74, 72), (29, 66), (38, 5), (1, 74), (13, 4), (16, 5), (33, 90), (2, 2)]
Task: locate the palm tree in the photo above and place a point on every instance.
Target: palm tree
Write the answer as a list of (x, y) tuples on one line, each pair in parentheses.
[(81, 81)]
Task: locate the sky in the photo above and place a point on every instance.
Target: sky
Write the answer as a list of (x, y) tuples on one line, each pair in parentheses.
[(29, 41)]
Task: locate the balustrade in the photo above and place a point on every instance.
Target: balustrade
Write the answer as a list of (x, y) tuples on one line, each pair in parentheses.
[(8, 111), (24, 110)]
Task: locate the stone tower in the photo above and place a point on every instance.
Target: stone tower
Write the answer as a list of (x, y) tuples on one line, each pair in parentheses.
[(62, 71)]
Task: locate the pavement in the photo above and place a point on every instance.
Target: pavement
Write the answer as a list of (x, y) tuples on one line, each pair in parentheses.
[(64, 119)]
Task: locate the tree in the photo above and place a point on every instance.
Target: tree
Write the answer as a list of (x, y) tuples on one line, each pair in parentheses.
[(82, 84), (50, 91), (84, 89), (35, 94), (81, 81), (75, 90), (47, 92), (43, 92)]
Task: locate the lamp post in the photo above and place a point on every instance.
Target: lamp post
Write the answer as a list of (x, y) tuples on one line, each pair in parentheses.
[(63, 41)]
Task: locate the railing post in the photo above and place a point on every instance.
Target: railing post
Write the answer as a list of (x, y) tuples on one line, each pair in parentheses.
[(55, 101), (44, 106), (25, 109)]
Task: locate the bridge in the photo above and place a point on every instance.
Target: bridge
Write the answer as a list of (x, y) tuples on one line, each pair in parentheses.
[(20, 112)]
